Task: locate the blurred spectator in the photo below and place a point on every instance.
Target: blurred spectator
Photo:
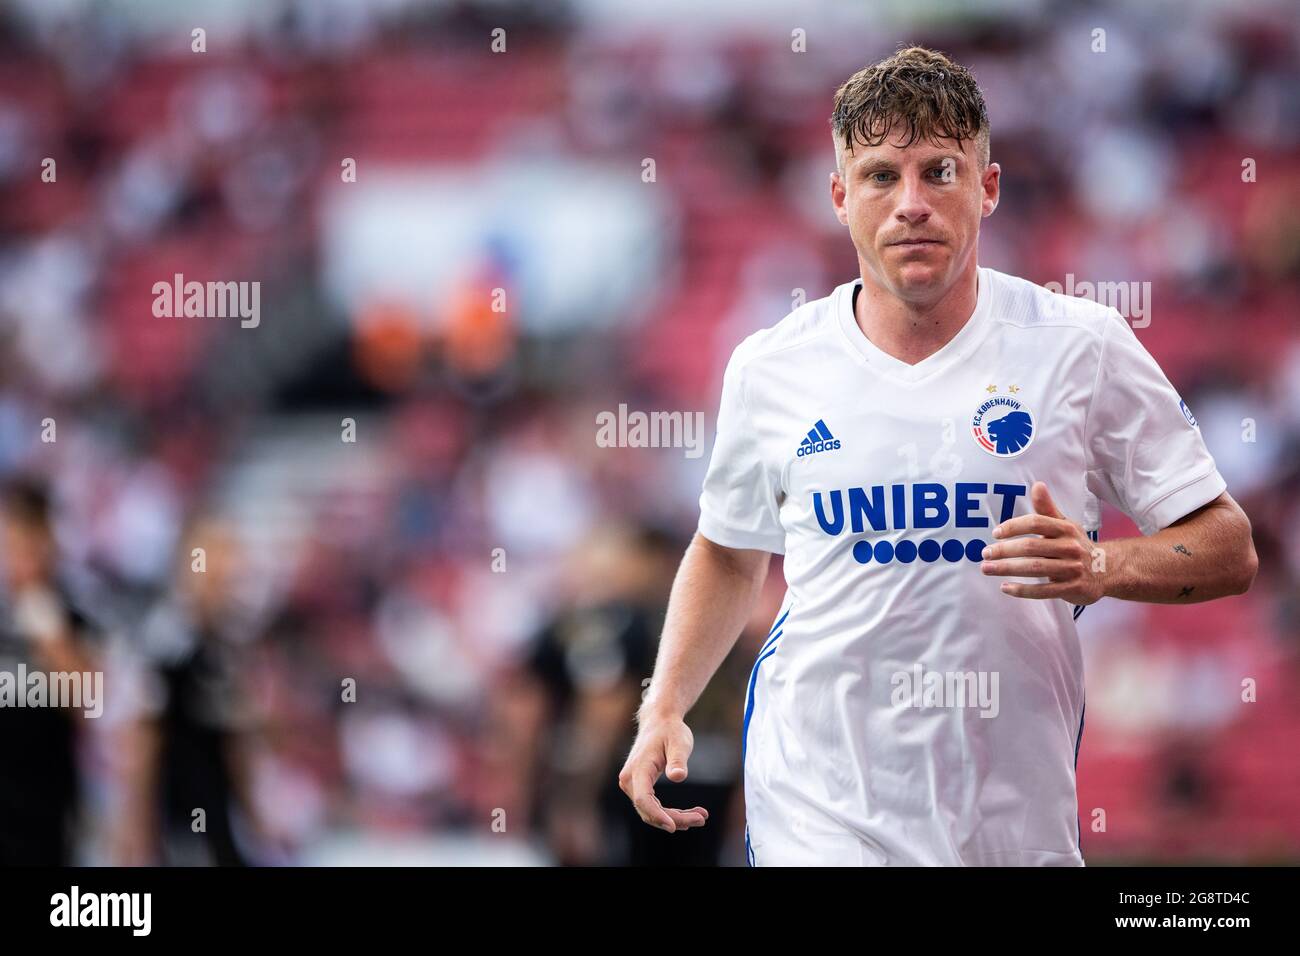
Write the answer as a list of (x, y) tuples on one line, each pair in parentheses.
[(41, 631), (189, 789)]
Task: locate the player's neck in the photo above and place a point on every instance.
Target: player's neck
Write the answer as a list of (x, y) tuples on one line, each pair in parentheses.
[(911, 332)]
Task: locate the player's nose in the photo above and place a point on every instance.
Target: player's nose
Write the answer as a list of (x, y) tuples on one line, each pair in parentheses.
[(912, 204)]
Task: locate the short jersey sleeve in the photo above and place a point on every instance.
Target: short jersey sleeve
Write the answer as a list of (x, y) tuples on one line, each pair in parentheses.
[(740, 503), (1146, 455)]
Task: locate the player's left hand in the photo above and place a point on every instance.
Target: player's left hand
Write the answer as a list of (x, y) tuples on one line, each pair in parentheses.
[(1060, 551)]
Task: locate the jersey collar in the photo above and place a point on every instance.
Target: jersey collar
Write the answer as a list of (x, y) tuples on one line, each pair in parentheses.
[(953, 351)]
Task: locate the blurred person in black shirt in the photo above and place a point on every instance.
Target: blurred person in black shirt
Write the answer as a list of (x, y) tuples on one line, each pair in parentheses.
[(566, 713), (40, 632), (186, 748)]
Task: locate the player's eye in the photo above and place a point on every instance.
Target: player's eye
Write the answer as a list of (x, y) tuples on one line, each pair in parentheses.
[(876, 176), (941, 170)]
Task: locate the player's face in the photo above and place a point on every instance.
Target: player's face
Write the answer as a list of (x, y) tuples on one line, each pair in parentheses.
[(914, 212)]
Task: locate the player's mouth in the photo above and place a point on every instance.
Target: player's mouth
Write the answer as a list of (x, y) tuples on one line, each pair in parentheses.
[(917, 242)]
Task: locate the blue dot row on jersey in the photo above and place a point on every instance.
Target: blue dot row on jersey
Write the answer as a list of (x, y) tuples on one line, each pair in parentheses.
[(928, 550)]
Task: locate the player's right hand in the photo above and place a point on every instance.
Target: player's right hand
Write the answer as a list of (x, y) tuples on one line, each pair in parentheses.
[(662, 744)]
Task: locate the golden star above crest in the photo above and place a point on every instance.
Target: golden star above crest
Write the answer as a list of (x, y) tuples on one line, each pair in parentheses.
[(992, 388), (1014, 389)]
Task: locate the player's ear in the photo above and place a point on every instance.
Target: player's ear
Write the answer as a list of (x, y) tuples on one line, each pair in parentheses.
[(991, 183), (837, 197)]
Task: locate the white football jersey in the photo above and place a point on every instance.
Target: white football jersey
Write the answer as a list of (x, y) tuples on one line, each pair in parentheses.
[(903, 709)]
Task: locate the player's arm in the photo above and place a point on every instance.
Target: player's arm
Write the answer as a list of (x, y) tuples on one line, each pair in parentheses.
[(712, 597), (1206, 555), (1202, 556), (1143, 449), (136, 832)]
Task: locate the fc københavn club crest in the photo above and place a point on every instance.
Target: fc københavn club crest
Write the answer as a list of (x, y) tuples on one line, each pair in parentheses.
[(1003, 426)]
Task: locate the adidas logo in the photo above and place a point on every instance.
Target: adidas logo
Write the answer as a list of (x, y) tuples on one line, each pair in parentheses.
[(819, 439)]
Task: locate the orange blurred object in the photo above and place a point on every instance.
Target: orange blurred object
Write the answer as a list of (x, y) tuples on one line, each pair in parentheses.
[(478, 335), (387, 346)]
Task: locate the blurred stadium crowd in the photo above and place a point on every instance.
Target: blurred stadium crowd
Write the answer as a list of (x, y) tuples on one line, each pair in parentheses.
[(425, 645)]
